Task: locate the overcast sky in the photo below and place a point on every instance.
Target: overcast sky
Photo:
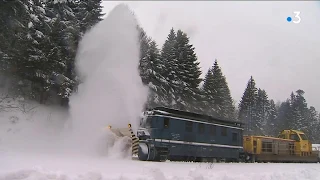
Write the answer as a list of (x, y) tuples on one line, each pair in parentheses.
[(247, 38)]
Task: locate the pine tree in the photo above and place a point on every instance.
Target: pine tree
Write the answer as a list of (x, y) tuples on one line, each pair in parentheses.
[(14, 19), (188, 74), (316, 130), (222, 101), (299, 111), (169, 59), (151, 69), (18, 43), (284, 116), (39, 29), (10, 28), (294, 112), (247, 106), (207, 99), (58, 48), (144, 64), (157, 83), (262, 108), (89, 13), (313, 126), (271, 124)]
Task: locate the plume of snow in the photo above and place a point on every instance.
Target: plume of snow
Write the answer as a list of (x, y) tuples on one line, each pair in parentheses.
[(111, 92)]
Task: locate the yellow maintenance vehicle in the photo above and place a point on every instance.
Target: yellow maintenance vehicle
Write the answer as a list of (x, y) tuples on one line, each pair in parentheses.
[(289, 146)]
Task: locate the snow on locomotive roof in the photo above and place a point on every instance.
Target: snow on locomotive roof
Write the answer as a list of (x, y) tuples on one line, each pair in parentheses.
[(192, 115)]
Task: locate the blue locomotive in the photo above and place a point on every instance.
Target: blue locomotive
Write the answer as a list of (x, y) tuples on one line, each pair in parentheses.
[(184, 136)]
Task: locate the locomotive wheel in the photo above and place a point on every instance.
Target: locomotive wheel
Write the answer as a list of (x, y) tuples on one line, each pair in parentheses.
[(143, 151)]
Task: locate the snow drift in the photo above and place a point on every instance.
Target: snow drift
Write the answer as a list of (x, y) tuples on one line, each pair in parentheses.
[(111, 92), (29, 127), (36, 166)]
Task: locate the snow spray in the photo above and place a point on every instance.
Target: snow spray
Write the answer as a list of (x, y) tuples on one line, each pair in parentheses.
[(111, 92)]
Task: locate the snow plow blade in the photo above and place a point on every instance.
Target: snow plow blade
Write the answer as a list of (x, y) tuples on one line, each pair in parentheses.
[(127, 132)]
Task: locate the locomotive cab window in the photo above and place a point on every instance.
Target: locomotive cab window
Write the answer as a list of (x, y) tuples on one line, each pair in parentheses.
[(223, 131), (201, 128), (146, 122), (166, 122), (189, 126)]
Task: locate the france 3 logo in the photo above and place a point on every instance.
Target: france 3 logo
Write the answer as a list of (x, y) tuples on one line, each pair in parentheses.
[(296, 18)]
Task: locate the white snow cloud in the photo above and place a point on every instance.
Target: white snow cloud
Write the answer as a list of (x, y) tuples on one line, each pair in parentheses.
[(112, 92)]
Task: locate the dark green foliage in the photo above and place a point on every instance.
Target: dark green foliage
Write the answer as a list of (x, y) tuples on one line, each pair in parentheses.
[(262, 110), (169, 58), (157, 82), (263, 117), (152, 71), (207, 89), (221, 94), (39, 44), (313, 125), (150, 68), (21, 38), (14, 20), (299, 111), (247, 111), (88, 13), (284, 116), (271, 128), (218, 101), (174, 77), (144, 63), (188, 74)]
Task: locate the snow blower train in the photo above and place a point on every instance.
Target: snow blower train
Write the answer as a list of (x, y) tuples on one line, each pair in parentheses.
[(169, 134)]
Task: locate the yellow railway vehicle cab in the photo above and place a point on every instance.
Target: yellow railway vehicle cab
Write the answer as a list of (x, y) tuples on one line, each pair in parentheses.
[(289, 146), (303, 146)]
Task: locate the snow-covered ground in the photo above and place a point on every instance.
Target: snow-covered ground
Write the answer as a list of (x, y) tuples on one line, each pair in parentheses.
[(21, 166), (316, 147)]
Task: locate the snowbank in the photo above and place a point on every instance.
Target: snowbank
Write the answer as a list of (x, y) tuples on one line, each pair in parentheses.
[(156, 174), (64, 169), (27, 125)]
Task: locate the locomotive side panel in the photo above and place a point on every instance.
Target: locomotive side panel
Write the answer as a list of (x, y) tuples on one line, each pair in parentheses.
[(182, 138)]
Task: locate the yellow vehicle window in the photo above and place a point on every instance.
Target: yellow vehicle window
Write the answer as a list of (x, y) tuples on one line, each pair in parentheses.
[(294, 137), (303, 137)]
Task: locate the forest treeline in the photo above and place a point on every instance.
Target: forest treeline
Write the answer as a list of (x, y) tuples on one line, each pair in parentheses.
[(38, 46)]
